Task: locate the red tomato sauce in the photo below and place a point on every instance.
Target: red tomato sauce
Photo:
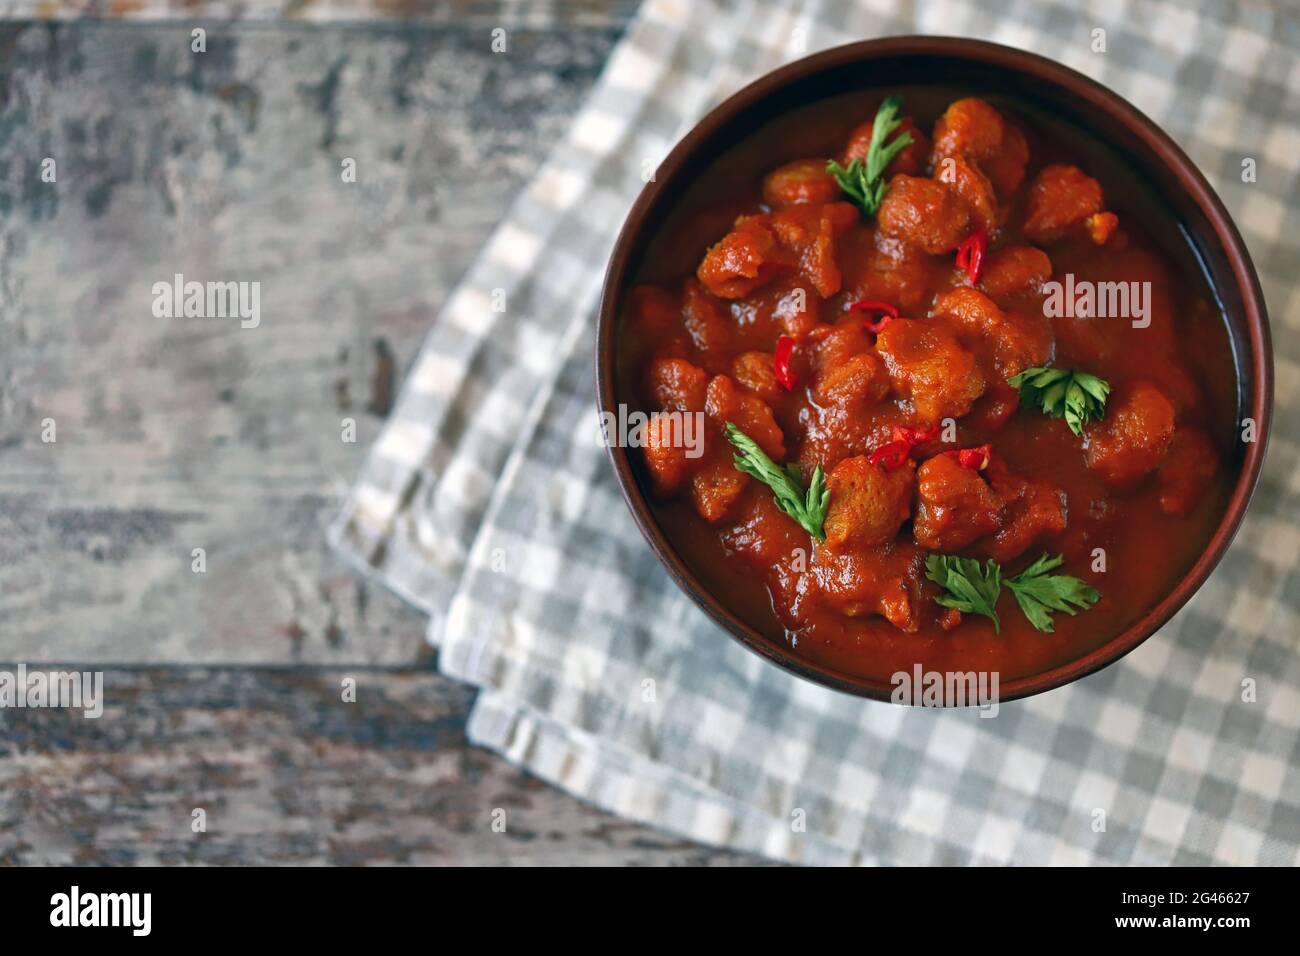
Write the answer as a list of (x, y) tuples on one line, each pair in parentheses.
[(765, 248)]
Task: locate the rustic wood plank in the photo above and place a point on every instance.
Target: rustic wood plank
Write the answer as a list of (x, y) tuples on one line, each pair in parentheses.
[(287, 772), (176, 434), (510, 13)]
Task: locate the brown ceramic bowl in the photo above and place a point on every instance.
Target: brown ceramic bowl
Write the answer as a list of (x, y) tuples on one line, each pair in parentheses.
[(1042, 85)]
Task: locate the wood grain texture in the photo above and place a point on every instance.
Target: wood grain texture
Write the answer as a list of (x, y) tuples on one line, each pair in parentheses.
[(288, 773), (174, 433), (533, 13)]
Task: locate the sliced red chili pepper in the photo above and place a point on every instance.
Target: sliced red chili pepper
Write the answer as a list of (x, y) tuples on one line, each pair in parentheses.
[(874, 305), (887, 311), (890, 455), (915, 436), (976, 458), (970, 254), (785, 376)]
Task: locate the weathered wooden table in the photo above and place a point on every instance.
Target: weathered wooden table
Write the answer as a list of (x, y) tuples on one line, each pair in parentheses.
[(175, 434)]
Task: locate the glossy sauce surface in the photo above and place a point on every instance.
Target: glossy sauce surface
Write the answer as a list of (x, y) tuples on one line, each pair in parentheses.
[(1143, 488)]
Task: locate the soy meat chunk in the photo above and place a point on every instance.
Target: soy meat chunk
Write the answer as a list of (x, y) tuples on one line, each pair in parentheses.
[(929, 367), (803, 181), (1133, 438), (772, 544), (860, 380), (884, 581), (1023, 340), (924, 213), (1032, 511), (885, 268), (796, 227), (704, 318), (716, 487), (963, 178), (975, 130), (1014, 271), (994, 408), (653, 310), (666, 453), (725, 402), (742, 260), (763, 533), (1061, 198), (970, 311), (1186, 471), (828, 438), (954, 505), (676, 385), (949, 618), (817, 260), (846, 375), (969, 127), (1040, 511), (835, 344), (1019, 341), (809, 233), (794, 305), (652, 323), (1006, 168), (755, 372), (867, 505), (910, 160)]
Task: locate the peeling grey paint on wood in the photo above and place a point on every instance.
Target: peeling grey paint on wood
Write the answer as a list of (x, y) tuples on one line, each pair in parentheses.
[(287, 773), (176, 434)]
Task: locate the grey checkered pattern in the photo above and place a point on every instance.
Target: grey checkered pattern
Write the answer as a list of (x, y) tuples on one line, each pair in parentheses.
[(489, 502)]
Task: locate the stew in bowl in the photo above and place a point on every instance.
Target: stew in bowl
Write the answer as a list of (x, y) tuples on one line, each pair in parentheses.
[(928, 377)]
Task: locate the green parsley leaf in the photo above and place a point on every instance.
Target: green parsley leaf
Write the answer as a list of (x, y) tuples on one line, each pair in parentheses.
[(806, 507), (853, 182), (864, 183), (973, 590), (1078, 397), (1039, 593), (969, 589)]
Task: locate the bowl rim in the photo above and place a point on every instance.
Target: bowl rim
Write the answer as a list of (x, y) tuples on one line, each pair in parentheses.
[(1189, 178)]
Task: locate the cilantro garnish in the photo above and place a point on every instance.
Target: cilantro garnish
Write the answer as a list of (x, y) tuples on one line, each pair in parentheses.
[(1039, 593), (975, 590), (864, 183), (806, 507), (969, 589), (1078, 397)]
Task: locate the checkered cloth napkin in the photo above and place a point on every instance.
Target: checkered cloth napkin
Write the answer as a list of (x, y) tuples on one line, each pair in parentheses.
[(489, 501)]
